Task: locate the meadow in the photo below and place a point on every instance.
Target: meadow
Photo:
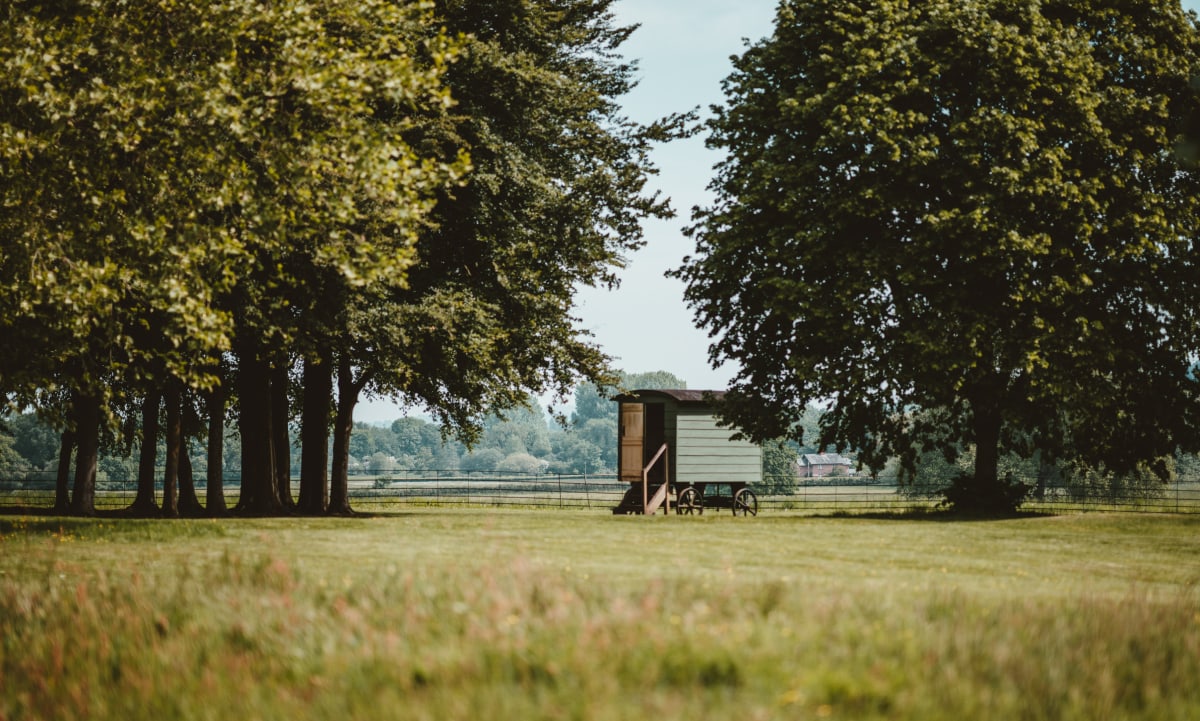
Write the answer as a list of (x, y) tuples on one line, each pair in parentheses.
[(438, 613)]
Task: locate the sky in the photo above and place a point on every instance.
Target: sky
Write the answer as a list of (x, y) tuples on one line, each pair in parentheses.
[(683, 48)]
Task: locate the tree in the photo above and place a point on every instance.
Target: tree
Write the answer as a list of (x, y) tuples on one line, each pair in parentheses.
[(808, 427), (145, 504), (557, 191), (380, 462), (522, 463), (653, 380), (485, 459), (175, 175), (554, 200), (593, 405), (414, 435), (323, 105), (315, 413), (573, 454), (969, 207), (93, 288), (12, 462), (518, 430), (203, 196), (600, 434), (34, 439), (779, 467), (418, 442), (214, 501)]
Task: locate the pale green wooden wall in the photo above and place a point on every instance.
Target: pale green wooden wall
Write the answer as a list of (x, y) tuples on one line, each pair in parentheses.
[(702, 452)]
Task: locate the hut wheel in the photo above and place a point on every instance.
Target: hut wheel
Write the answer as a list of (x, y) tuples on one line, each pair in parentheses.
[(689, 502), (745, 503)]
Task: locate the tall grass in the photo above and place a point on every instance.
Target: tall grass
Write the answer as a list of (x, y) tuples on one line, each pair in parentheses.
[(457, 615)]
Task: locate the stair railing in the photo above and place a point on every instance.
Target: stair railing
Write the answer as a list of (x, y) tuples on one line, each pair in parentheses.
[(661, 495)]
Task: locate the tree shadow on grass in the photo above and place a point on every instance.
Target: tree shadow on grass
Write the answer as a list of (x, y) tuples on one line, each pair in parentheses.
[(937, 515), (19, 510)]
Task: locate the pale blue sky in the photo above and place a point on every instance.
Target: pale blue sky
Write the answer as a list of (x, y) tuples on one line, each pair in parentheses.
[(683, 48)]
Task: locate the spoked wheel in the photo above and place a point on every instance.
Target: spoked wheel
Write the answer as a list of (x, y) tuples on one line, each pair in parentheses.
[(745, 503), (689, 502)]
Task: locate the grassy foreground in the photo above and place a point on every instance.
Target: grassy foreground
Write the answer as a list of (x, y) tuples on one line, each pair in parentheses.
[(461, 614)]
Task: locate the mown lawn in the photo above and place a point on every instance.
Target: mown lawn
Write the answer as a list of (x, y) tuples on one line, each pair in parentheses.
[(477, 614)]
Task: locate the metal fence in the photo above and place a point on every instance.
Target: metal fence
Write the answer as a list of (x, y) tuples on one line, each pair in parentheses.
[(604, 492), (401, 488), (862, 495)]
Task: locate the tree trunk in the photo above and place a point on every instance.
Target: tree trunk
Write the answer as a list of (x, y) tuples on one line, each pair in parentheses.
[(216, 453), (87, 430), (987, 450), (1044, 470), (314, 437), (280, 440), (145, 504), (985, 492), (189, 503), (343, 425), (62, 484), (254, 424), (170, 503)]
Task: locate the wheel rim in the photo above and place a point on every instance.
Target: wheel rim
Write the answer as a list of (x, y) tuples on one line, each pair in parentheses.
[(689, 503), (745, 503)]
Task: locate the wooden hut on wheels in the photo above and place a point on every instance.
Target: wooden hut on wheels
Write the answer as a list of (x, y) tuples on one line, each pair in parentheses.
[(672, 452)]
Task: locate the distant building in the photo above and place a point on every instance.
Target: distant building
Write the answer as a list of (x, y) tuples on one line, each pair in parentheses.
[(818, 465)]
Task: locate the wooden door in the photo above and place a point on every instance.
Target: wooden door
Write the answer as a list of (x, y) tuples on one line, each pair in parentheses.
[(655, 435), (632, 436)]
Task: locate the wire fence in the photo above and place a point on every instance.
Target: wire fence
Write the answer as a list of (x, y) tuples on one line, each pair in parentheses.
[(604, 492)]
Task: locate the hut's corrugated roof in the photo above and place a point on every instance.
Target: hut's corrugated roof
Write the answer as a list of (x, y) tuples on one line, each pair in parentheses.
[(680, 395)]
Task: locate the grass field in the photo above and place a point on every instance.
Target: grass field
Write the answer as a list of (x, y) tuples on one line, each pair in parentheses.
[(469, 614)]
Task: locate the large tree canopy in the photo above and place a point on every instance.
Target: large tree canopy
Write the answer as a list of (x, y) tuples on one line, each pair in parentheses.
[(160, 159), (202, 196), (554, 201), (969, 207), (174, 174)]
